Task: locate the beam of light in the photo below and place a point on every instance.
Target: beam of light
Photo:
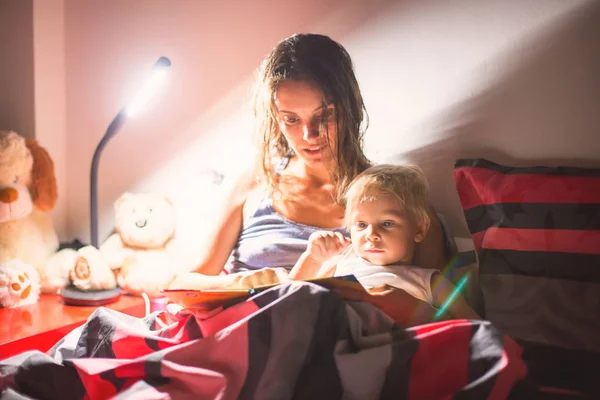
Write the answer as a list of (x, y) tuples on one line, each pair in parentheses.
[(452, 296)]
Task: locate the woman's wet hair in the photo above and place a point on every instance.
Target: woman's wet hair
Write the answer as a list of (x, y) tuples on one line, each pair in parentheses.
[(324, 63)]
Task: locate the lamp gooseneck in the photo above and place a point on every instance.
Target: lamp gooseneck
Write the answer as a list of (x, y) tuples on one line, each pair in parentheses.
[(112, 130)]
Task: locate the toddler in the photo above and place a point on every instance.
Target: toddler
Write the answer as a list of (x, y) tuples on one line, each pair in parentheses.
[(386, 215)]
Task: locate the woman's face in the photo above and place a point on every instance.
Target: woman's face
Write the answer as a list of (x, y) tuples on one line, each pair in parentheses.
[(307, 124)]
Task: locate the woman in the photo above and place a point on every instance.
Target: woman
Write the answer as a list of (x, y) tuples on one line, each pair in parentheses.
[(311, 121)]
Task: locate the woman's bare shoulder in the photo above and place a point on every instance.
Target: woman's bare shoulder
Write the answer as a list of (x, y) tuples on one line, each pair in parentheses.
[(238, 186), (227, 223)]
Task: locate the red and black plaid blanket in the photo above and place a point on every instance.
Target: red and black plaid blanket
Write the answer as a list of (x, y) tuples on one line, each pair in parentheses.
[(294, 341)]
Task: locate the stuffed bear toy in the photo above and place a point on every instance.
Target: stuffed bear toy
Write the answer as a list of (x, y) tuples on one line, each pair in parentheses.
[(90, 271), (19, 284), (141, 251), (27, 195)]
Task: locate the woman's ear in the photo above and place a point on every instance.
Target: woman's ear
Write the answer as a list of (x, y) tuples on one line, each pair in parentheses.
[(43, 181)]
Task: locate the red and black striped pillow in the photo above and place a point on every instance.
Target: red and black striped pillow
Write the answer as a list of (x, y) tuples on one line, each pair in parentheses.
[(541, 214), (537, 234)]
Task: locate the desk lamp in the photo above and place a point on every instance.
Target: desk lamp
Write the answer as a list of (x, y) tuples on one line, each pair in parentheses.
[(70, 294)]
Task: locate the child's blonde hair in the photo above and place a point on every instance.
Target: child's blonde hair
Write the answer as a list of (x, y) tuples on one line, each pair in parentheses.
[(406, 182)]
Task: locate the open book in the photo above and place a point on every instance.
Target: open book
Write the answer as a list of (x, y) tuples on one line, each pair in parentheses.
[(209, 299)]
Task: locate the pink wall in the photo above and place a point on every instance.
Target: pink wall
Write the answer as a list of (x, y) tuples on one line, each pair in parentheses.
[(50, 96), (16, 67), (509, 80), (32, 82)]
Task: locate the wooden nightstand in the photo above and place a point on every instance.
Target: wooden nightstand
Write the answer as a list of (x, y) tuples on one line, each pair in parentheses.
[(39, 326)]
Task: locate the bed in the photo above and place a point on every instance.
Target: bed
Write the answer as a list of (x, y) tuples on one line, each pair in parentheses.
[(297, 340), (300, 340)]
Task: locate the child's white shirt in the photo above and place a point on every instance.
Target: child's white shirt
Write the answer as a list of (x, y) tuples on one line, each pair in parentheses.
[(413, 280)]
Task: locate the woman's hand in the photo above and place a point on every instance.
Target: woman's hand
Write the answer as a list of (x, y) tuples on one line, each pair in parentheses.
[(178, 282), (260, 277), (323, 245)]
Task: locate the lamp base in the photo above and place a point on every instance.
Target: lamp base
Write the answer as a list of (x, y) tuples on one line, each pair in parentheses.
[(75, 297)]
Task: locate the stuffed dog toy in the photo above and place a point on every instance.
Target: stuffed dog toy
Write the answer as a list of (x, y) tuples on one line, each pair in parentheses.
[(27, 195)]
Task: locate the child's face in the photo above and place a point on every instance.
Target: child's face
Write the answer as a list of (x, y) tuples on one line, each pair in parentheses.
[(381, 233)]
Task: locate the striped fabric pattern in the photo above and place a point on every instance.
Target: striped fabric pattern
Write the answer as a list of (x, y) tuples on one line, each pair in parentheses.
[(537, 234), (294, 341)]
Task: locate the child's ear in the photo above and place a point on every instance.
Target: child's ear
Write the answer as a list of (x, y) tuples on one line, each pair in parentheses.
[(421, 232)]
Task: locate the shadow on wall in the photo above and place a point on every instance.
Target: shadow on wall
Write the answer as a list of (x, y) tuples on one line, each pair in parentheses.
[(542, 110)]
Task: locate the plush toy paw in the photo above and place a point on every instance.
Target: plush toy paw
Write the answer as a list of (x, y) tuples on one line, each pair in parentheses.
[(56, 273), (91, 271), (19, 284)]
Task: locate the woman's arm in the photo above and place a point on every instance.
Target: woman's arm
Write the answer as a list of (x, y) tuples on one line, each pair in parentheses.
[(240, 280), (226, 226), (431, 252), (196, 281)]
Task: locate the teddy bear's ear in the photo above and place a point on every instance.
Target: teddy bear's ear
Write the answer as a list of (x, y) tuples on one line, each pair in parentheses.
[(43, 181)]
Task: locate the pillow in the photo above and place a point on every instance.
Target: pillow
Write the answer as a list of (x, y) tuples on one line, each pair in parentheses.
[(536, 231)]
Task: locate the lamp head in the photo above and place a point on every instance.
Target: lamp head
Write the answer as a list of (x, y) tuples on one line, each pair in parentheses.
[(162, 62), (148, 90)]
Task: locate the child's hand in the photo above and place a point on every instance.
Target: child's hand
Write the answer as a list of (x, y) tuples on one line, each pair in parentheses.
[(323, 245)]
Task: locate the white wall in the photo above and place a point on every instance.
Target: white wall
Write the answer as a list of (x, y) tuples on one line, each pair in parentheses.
[(513, 81), (510, 80)]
